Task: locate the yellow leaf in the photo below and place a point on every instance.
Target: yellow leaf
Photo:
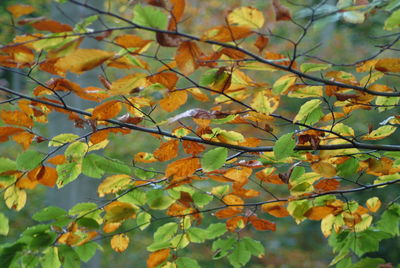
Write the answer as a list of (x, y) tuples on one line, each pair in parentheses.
[(327, 225), (373, 204), (380, 133), (275, 209), (246, 16), (388, 65), (113, 184), (119, 242), (264, 104), (325, 169), (15, 198), (82, 60), (107, 110), (119, 211)]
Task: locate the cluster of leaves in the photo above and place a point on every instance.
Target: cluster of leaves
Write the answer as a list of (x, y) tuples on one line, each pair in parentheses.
[(233, 157)]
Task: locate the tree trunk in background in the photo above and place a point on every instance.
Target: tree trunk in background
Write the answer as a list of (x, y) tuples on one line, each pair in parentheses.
[(83, 189)]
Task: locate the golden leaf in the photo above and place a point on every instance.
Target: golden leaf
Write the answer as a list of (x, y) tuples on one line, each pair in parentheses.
[(187, 57), (246, 16), (183, 167), (107, 110), (158, 257), (173, 100), (119, 242), (167, 151), (19, 10)]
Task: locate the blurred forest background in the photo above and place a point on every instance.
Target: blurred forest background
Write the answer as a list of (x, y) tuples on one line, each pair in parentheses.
[(291, 245)]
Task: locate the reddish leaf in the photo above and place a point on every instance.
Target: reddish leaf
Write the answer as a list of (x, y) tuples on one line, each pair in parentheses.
[(275, 209), (233, 223), (167, 79), (327, 185), (261, 224), (168, 40), (193, 148), (6, 132), (261, 42), (281, 12), (51, 26), (226, 213)]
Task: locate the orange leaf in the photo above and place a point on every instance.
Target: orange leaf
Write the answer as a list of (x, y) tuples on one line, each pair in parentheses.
[(327, 185), (166, 79), (183, 167), (102, 134), (107, 110), (233, 223), (388, 65), (167, 151), (158, 257), (233, 200), (187, 57), (57, 160), (144, 157), (226, 213), (275, 209), (48, 176), (261, 42), (240, 175), (319, 212), (193, 148), (281, 12), (24, 138), (173, 100), (16, 118), (6, 132), (226, 34), (26, 183), (51, 26), (19, 10), (82, 60), (130, 41), (110, 227), (119, 242), (261, 224)]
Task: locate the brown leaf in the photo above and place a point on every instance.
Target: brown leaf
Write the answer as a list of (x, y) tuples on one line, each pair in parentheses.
[(158, 257), (281, 12), (187, 57), (168, 40), (131, 41), (327, 185), (261, 42), (102, 134), (107, 110), (16, 118), (226, 34), (119, 242), (167, 151), (168, 79), (234, 201), (226, 213), (178, 7), (7, 132), (182, 167), (19, 10), (233, 223)]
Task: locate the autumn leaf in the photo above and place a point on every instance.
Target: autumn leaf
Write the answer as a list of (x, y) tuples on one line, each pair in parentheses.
[(82, 60), (187, 57), (319, 212), (51, 26), (167, 151), (324, 169), (281, 12), (183, 167), (166, 79), (226, 34), (173, 100), (261, 42), (119, 242), (275, 209), (7, 132), (246, 16), (193, 148), (16, 118), (107, 110), (19, 10), (261, 224), (158, 257), (131, 41), (113, 184)]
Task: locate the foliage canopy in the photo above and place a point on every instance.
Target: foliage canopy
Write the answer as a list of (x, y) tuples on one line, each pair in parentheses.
[(245, 119)]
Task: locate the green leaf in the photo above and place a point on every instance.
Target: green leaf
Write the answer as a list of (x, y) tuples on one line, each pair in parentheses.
[(70, 259), (214, 159), (345, 263), (314, 67), (355, 17), (143, 220), (136, 197), (165, 232), (29, 160), (222, 247), (185, 262), (253, 246), (76, 151), (368, 263), (201, 199), (197, 235), (62, 139), (50, 258), (390, 220), (240, 255), (7, 254), (306, 109), (94, 163), (82, 25), (393, 21), (216, 230), (67, 173), (149, 17), (284, 146), (158, 200), (7, 164), (208, 77), (348, 168), (87, 251), (143, 174), (4, 227), (90, 167), (88, 223), (49, 213)]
